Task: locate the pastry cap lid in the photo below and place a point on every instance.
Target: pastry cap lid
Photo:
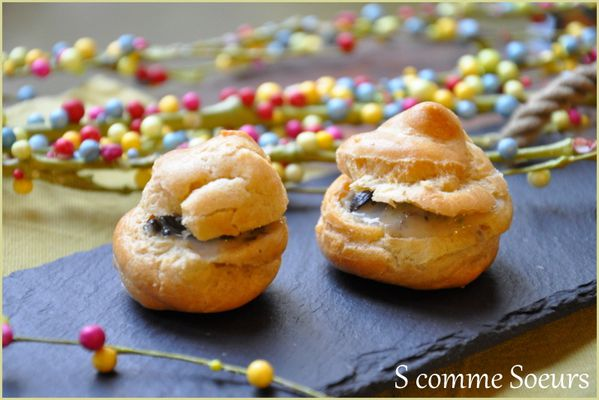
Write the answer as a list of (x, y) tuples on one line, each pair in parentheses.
[(424, 157), (223, 187)]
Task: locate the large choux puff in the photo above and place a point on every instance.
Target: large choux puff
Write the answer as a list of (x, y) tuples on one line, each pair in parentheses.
[(222, 205), (435, 207)]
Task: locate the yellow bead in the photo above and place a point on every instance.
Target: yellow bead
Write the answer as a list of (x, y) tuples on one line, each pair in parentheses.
[(168, 104), (104, 141), (21, 149), (105, 359), (86, 46), (342, 92), (142, 177), (265, 91), (71, 60), (464, 91), (113, 49), (444, 97), (223, 61), (570, 64), (215, 365), (294, 173), (371, 113), (539, 179), (410, 70), (260, 374), (324, 139), (312, 44), (192, 120), (33, 55), (9, 67), (585, 121), (127, 65), (278, 116), (116, 132), (196, 141), (515, 88), (73, 137), (20, 133), (18, 55), (324, 85), (558, 50), (399, 94), (446, 28), (422, 89), (476, 82), (308, 88), (575, 28), (151, 126), (469, 65), (130, 140), (279, 168), (507, 70), (489, 58), (307, 141), (560, 120), (22, 186)]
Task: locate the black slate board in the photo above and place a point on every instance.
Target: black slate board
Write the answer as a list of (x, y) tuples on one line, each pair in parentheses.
[(320, 327)]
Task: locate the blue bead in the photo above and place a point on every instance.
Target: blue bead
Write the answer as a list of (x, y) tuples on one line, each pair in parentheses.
[(268, 139), (172, 140), (589, 37), (101, 118), (415, 25), (35, 119), (365, 92), (428, 74), (346, 81), (491, 83), (38, 142), (570, 43), (310, 23), (58, 47), (260, 129), (89, 150), (8, 137), (114, 108), (391, 110), (507, 148), (506, 104), (132, 153), (396, 84), (337, 109), (126, 43), (516, 51), (26, 92), (283, 36), (466, 109), (372, 11), (59, 118), (468, 28), (275, 49)]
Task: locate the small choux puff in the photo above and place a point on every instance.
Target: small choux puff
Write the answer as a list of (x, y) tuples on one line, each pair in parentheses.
[(208, 232), (418, 204)]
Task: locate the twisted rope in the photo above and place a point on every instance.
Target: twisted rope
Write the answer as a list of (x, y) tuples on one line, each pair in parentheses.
[(569, 89)]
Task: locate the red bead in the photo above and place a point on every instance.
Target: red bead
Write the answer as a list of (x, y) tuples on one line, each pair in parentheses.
[(276, 99), (156, 74), (111, 152), (18, 174), (7, 335), (40, 67), (526, 81), (593, 55), (296, 98), (539, 17), (226, 92), (191, 101), (90, 132), (451, 81), (346, 42), (361, 79), (74, 109), (265, 110), (92, 337), (246, 94), (405, 11), (135, 124), (135, 109), (293, 127), (575, 117), (141, 74), (64, 148)]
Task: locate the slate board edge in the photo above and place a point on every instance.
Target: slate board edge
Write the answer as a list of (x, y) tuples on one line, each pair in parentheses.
[(546, 310)]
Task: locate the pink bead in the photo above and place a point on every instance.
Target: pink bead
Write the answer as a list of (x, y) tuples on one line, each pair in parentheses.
[(361, 79), (40, 67), (7, 335), (250, 130), (409, 102), (94, 112), (90, 132), (575, 117), (111, 152), (92, 337), (191, 101), (284, 140), (451, 81), (183, 145), (226, 92), (526, 81), (293, 127), (314, 128), (152, 109), (140, 43), (335, 131), (135, 124)]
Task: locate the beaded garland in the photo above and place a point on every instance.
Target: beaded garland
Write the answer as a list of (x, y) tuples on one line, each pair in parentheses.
[(301, 122)]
